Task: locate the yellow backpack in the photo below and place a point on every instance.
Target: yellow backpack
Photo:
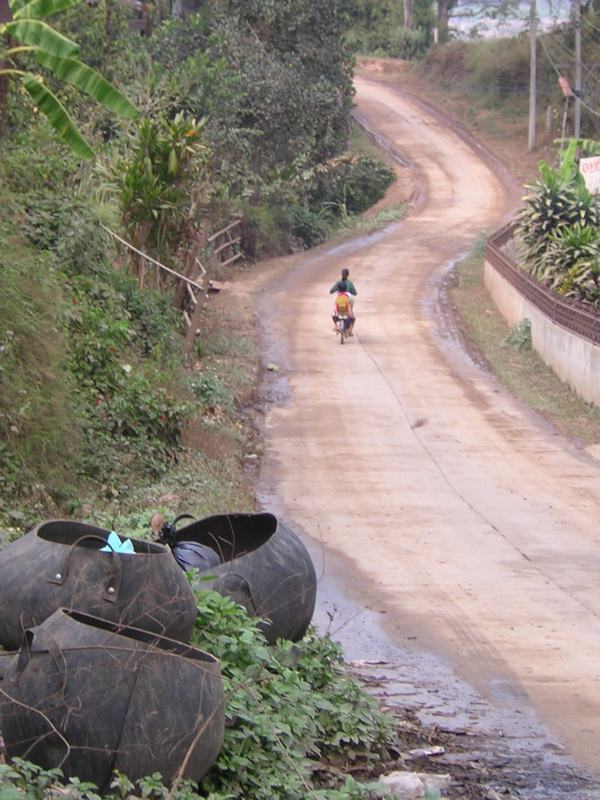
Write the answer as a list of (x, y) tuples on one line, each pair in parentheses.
[(342, 304)]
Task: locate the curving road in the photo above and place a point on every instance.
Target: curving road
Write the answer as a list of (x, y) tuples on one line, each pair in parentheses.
[(476, 527)]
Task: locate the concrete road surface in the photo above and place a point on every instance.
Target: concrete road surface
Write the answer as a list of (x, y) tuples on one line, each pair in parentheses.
[(473, 524)]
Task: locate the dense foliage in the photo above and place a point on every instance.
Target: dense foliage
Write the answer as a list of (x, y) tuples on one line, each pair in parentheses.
[(274, 81), (244, 110), (378, 28), (296, 722), (90, 387)]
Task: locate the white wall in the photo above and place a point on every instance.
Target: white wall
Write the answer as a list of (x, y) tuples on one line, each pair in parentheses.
[(576, 361)]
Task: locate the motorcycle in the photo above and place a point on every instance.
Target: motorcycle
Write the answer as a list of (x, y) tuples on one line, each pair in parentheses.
[(343, 324)]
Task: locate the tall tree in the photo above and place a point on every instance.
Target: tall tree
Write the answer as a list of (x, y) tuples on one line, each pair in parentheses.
[(408, 14), (443, 17)]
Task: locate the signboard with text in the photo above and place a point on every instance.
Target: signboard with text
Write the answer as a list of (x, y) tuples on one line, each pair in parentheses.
[(590, 169)]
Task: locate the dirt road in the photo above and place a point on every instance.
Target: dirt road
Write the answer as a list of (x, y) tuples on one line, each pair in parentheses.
[(460, 514)]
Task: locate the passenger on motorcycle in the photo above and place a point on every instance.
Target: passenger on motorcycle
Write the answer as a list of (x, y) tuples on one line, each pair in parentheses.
[(344, 301)]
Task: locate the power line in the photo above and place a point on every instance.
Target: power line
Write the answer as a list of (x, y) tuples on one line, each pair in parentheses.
[(559, 44), (589, 22), (571, 56), (549, 57)]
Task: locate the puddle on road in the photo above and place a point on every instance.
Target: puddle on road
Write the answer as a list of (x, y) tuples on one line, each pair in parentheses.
[(497, 743)]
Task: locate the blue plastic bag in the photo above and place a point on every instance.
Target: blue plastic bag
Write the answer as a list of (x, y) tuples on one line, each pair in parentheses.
[(116, 545)]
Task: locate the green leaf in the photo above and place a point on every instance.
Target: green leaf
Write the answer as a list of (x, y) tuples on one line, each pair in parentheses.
[(87, 80), (39, 9), (57, 116), (38, 34), (172, 162), (16, 5)]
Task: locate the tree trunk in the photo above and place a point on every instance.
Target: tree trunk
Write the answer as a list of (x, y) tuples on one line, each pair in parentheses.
[(444, 7), (408, 14), (5, 16), (5, 13)]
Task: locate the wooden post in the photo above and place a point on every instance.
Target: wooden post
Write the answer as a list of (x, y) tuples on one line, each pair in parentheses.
[(564, 122), (532, 72), (578, 68), (196, 317)]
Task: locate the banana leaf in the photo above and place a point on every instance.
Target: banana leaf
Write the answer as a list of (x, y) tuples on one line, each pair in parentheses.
[(36, 33), (73, 71), (39, 9), (15, 5), (57, 116)]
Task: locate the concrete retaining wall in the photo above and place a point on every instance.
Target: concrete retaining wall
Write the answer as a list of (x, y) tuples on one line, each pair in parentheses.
[(576, 361)]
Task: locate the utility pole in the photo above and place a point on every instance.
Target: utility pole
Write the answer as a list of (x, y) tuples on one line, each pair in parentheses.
[(532, 71), (578, 67)]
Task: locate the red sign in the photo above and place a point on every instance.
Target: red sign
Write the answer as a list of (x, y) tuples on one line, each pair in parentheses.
[(565, 86)]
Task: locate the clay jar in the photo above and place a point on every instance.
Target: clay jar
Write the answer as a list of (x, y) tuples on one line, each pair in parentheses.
[(90, 696), (60, 564)]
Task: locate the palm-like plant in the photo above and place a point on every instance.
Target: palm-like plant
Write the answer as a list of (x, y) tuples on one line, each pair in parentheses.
[(161, 180), (573, 263), (555, 204), (23, 21)]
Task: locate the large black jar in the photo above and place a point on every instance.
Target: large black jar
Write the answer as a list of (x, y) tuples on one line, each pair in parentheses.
[(265, 567), (60, 564), (90, 696)]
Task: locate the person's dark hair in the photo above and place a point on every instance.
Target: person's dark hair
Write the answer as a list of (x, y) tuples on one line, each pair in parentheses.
[(345, 273), (341, 286)]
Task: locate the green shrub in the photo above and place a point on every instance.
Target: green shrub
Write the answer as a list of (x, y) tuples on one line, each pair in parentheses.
[(289, 707), (520, 336), (558, 229), (349, 185), (212, 392), (307, 226)]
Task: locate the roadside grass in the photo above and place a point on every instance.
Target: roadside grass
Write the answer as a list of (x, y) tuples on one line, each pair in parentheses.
[(522, 371), (365, 223), (361, 143), (212, 475)]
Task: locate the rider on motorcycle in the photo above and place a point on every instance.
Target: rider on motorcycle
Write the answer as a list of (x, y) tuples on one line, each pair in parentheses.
[(345, 285), (344, 301)]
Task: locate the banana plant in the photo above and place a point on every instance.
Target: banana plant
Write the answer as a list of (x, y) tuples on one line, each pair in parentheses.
[(23, 22)]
